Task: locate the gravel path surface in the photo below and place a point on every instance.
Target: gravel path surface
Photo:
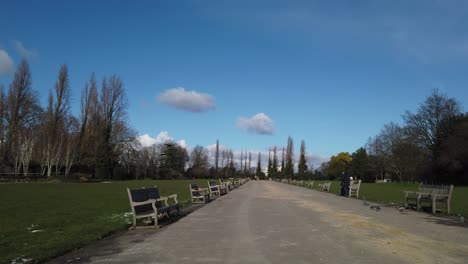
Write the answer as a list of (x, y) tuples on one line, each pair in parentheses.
[(269, 222)]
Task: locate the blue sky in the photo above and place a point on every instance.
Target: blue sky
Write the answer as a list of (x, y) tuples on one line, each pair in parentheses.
[(331, 74)]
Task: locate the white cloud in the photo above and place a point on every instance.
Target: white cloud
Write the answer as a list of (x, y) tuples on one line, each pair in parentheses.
[(163, 137), (182, 143), (29, 54), (191, 101), (316, 160), (6, 63), (258, 124)]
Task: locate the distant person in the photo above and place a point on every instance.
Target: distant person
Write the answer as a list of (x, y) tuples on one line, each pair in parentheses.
[(344, 184)]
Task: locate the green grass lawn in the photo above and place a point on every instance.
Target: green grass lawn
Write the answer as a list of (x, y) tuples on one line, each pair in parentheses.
[(71, 215), (68, 215), (387, 193)]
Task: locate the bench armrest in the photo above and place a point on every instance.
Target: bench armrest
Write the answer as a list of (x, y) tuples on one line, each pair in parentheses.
[(161, 199), (150, 201), (174, 197), (409, 192)]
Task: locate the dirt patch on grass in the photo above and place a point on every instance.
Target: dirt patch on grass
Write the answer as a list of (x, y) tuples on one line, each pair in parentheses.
[(369, 233)]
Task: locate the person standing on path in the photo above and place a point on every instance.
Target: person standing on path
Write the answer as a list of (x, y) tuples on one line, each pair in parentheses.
[(344, 184)]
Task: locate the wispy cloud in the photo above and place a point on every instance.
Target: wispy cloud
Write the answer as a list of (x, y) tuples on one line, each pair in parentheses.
[(6, 63), (29, 54), (146, 140), (258, 124), (191, 101)]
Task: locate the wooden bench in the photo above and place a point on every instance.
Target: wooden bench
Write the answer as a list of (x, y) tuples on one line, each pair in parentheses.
[(234, 182), (147, 203), (309, 184), (227, 184), (199, 195), (432, 194), (354, 188), (215, 189), (324, 186)]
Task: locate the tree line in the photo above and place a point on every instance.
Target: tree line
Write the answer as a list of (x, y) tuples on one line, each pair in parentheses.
[(430, 146), (43, 141), (49, 140)]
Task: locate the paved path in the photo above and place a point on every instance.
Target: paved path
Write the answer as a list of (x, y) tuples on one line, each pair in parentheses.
[(269, 222)]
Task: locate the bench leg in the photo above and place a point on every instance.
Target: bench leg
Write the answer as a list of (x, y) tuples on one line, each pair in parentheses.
[(448, 207), (433, 206)]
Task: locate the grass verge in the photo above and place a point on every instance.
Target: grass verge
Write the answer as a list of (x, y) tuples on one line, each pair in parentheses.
[(387, 193), (42, 220)]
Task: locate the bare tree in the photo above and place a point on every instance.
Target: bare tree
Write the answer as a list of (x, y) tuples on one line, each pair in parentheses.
[(199, 157), (62, 99), (71, 144), (113, 105), (429, 123), (25, 153), (55, 127), (85, 109), (250, 160), (21, 107)]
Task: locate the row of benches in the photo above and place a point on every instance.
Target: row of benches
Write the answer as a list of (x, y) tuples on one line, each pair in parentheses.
[(215, 189), (434, 195), (148, 203), (325, 186)]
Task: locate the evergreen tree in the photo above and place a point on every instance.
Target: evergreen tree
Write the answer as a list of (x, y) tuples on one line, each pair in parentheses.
[(270, 165), (258, 172), (274, 168), (302, 166), (282, 164), (241, 161), (245, 163), (250, 159), (289, 170), (217, 157)]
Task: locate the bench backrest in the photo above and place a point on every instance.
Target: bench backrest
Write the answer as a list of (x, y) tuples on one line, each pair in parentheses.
[(153, 193), (142, 195), (213, 186), (355, 185), (436, 189), (194, 189), (212, 183)]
